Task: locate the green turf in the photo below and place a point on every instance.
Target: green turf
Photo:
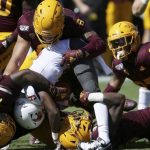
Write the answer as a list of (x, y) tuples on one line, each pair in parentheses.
[(129, 89)]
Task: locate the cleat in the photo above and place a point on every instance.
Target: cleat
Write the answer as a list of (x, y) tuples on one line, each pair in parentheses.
[(98, 144)]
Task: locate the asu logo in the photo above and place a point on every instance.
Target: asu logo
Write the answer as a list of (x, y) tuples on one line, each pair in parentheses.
[(80, 22)]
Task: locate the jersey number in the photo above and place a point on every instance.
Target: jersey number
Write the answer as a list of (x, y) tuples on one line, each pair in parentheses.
[(5, 7)]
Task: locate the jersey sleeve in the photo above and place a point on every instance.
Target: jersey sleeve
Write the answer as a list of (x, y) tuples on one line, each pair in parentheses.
[(25, 26)]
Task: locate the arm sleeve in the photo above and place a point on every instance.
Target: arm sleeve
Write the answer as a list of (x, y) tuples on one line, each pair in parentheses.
[(95, 46)]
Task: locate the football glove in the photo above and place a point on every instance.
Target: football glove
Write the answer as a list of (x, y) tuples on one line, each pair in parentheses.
[(84, 97), (3, 46), (72, 56)]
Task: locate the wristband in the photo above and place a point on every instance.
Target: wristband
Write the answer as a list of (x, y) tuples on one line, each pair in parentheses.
[(96, 97), (54, 136)]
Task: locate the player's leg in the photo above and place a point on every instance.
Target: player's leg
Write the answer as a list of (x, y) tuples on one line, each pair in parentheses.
[(134, 125), (86, 74), (115, 103)]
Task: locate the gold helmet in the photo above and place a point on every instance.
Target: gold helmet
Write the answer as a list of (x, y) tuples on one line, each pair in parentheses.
[(123, 39), (75, 127), (48, 21), (7, 129)]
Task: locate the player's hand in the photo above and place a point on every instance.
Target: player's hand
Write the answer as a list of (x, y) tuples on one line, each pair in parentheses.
[(84, 97), (71, 56), (3, 46)]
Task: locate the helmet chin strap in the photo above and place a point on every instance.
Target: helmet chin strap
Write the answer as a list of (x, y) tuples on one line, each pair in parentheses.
[(120, 54)]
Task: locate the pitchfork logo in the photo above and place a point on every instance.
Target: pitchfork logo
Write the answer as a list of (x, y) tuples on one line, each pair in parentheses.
[(36, 116)]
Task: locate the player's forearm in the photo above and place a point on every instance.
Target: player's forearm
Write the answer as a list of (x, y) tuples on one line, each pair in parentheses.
[(95, 46), (78, 3), (11, 68)]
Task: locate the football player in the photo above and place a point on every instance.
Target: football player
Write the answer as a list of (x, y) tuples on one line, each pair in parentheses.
[(116, 104), (61, 21), (131, 60), (10, 11), (52, 28), (67, 20), (10, 88), (131, 126)]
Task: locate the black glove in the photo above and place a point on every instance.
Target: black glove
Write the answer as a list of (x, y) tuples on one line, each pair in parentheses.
[(3, 46)]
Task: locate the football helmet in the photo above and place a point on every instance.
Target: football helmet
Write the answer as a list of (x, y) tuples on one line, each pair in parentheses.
[(31, 95), (27, 114), (49, 21), (123, 39), (75, 127), (7, 129)]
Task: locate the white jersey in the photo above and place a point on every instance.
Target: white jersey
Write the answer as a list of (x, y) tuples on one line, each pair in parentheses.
[(49, 60)]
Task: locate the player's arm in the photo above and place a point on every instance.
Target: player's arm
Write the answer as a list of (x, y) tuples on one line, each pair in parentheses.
[(139, 6), (53, 114), (40, 83), (19, 53), (94, 46), (114, 84), (84, 8)]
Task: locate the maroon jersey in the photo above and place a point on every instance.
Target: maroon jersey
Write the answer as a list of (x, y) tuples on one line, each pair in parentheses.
[(134, 125), (73, 22), (10, 11), (9, 91), (138, 69)]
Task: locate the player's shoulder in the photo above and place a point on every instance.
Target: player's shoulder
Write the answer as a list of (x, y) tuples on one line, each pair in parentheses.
[(76, 17), (143, 53), (25, 21)]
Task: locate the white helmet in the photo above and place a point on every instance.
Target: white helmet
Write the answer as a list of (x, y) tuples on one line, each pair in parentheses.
[(27, 114)]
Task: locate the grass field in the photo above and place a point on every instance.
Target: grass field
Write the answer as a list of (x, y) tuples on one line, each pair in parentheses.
[(129, 89)]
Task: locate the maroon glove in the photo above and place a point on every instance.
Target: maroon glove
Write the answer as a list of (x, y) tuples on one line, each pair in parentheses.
[(84, 97), (71, 56)]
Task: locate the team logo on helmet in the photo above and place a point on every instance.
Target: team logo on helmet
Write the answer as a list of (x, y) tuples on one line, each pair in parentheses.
[(75, 127), (27, 114)]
